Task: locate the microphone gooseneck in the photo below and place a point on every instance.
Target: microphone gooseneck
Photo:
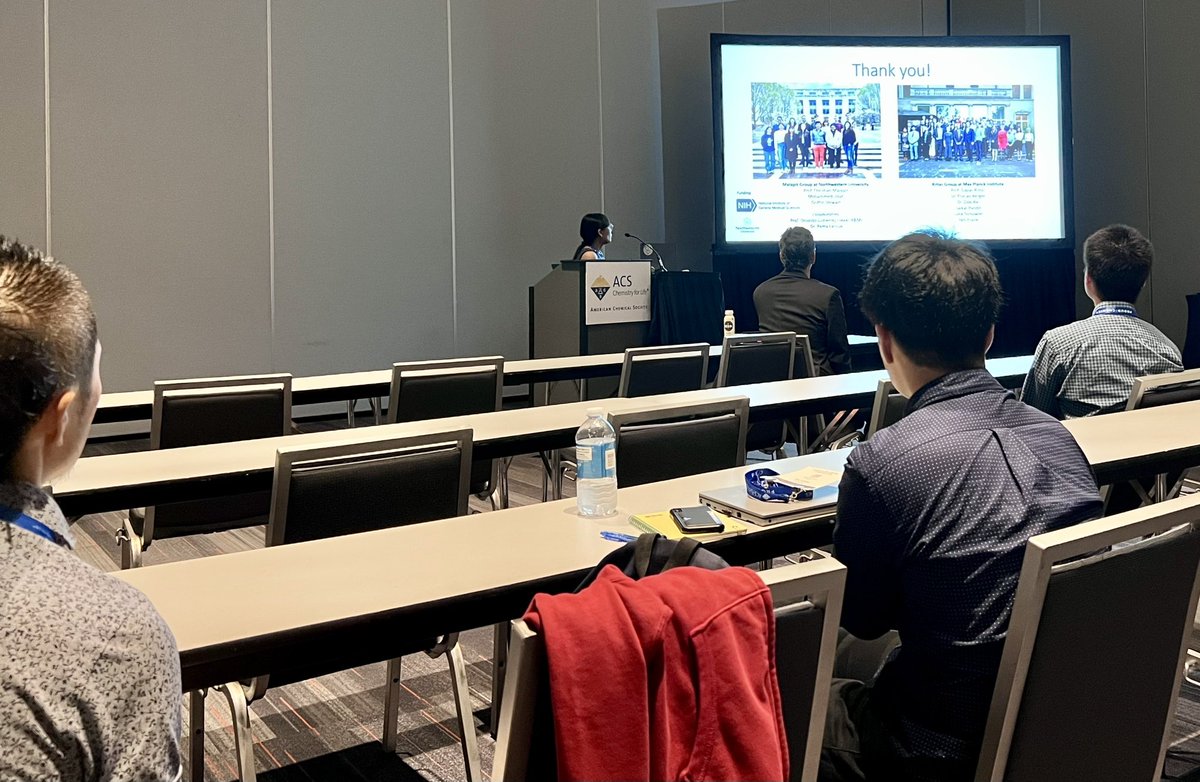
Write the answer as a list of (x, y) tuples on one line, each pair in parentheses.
[(648, 249)]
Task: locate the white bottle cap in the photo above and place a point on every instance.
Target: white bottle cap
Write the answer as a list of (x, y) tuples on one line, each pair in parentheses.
[(595, 411), (728, 312)]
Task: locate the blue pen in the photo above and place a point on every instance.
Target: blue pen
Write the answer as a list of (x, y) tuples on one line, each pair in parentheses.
[(617, 537)]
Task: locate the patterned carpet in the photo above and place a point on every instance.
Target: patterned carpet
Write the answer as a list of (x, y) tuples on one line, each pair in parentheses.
[(328, 728)]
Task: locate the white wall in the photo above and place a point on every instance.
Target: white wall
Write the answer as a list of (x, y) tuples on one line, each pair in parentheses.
[(309, 186)]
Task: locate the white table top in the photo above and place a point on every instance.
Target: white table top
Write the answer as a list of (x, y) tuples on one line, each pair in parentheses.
[(135, 405), (221, 602), (102, 483)]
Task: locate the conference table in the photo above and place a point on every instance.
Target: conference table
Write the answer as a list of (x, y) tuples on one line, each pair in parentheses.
[(331, 604), (359, 598), (119, 481), (122, 406)]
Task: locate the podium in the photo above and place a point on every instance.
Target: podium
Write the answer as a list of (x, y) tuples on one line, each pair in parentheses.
[(585, 308)]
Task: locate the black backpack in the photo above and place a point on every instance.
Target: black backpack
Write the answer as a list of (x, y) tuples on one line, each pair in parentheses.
[(651, 554)]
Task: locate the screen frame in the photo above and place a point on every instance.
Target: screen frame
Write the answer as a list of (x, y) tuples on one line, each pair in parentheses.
[(1066, 138)]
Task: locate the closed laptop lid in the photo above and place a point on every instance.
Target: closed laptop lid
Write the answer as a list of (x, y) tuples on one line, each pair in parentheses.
[(734, 501)]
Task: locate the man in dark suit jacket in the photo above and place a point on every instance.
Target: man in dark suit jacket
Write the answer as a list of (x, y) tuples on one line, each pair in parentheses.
[(793, 301)]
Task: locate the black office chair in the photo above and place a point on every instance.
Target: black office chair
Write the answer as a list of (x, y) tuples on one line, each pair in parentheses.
[(664, 370), (1093, 659), (1154, 391), (202, 411), (1191, 345), (328, 491), (759, 358), (657, 445), (645, 372), (422, 390), (808, 601)]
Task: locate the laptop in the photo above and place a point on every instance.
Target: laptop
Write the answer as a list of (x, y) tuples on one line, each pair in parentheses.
[(733, 501)]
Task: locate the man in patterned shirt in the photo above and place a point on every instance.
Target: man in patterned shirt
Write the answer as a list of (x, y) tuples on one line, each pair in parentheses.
[(933, 515), (1088, 367), (89, 672)]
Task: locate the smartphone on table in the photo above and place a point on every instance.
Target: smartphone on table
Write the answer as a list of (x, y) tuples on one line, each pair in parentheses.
[(697, 519)]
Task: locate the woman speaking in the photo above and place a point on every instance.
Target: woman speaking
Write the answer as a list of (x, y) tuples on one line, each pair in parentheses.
[(595, 231)]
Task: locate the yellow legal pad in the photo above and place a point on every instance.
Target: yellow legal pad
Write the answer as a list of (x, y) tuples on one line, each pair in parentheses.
[(662, 523)]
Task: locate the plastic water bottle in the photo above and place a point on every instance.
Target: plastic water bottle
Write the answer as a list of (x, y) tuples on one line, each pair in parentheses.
[(728, 323), (596, 471)]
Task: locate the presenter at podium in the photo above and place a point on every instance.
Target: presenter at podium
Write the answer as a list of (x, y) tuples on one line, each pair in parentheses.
[(596, 230)]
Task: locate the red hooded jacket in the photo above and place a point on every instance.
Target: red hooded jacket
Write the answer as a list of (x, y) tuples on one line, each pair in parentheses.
[(667, 678)]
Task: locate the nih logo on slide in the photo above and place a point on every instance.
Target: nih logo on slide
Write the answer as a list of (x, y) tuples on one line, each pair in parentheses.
[(746, 205)]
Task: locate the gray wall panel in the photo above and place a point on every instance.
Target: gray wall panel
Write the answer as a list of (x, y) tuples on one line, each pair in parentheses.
[(766, 17), (631, 124), (933, 17), (683, 40), (988, 17), (1110, 157), (1174, 195), (159, 181), (22, 127), (526, 155), (363, 271), (897, 17)]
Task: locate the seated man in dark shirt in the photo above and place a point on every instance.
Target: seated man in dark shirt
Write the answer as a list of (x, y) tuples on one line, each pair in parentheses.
[(933, 516), (793, 301)]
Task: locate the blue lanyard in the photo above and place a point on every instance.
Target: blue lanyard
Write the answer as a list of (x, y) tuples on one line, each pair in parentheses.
[(765, 484), (1126, 310), (32, 525)]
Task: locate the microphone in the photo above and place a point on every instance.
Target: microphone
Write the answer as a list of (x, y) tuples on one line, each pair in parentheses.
[(648, 249)]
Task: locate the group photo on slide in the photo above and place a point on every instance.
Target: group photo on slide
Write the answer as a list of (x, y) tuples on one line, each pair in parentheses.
[(815, 130), (965, 132)]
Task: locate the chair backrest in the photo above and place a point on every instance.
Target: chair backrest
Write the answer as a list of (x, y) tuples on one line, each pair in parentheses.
[(802, 363), (356, 487), (760, 358), (887, 409), (656, 445), (664, 370), (808, 607), (203, 411), (1094, 655), (1166, 389), (756, 358), (422, 390)]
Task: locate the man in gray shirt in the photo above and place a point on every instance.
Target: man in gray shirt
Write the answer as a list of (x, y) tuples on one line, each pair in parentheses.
[(89, 672), (1089, 366)]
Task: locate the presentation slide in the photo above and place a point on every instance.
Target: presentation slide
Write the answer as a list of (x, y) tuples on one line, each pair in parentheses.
[(867, 143)]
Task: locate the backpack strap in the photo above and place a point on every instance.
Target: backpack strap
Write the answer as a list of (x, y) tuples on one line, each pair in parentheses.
[(643, 550), (682, 553)]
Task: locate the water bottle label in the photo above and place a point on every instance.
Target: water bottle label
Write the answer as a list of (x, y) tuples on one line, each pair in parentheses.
[(596, 461)]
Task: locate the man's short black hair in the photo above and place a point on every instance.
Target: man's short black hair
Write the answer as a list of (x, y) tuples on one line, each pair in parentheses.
[(797, 249), (47, 340), (938, 296), (1118, 260)]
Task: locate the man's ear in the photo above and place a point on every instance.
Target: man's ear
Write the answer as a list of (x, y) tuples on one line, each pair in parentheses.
[(56, 420), (991, 335), (887, 348)]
